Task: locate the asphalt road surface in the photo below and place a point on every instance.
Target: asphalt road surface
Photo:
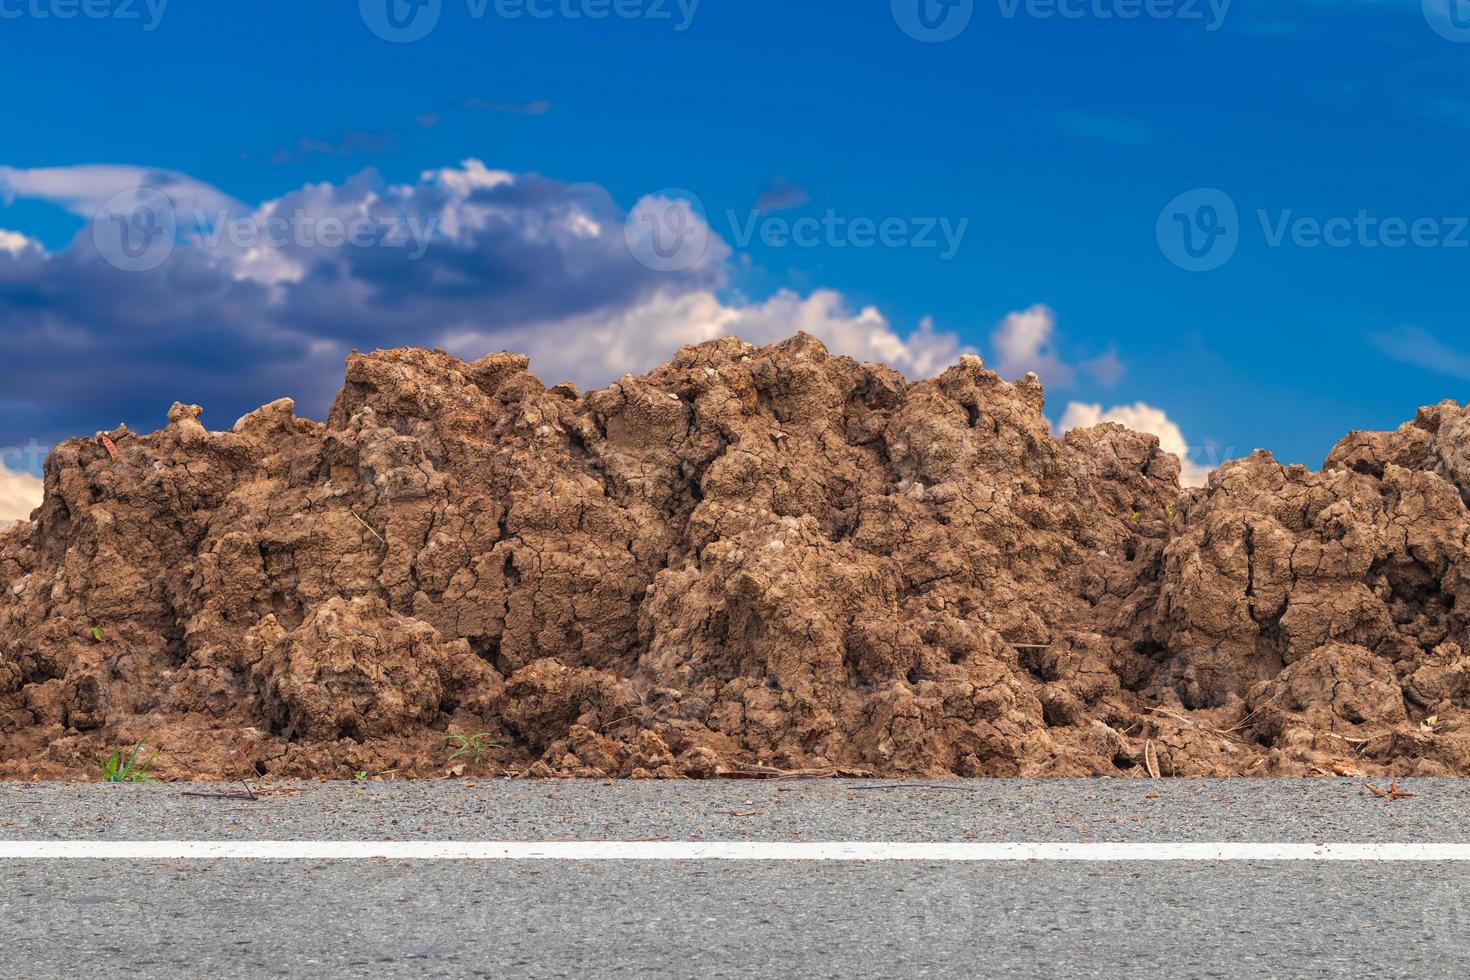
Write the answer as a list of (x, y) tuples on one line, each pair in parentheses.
[(91, 917)]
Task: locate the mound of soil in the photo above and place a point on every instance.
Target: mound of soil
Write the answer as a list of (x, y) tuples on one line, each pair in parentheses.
[(750, 559)]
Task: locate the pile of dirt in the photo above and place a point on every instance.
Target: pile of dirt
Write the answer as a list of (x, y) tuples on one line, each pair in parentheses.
[(750, 559)]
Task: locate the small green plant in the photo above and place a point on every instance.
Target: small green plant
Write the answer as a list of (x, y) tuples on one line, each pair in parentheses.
[(116, 769), (360, 776), (97, 634), (470, 745)]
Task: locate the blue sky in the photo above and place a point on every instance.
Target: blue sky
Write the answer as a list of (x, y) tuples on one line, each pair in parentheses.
[(1024, 167)]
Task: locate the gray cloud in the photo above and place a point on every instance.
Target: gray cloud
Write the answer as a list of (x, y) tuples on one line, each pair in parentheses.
[(1416, 346), (349, 142), (782, 195), (536, 107), (1121, 131), (88, 345)]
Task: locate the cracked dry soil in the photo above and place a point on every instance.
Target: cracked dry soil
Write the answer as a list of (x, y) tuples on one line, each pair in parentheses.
[(750, 557)]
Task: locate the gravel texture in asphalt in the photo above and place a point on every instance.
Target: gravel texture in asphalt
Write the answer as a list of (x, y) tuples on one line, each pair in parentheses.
[(549, 919), (1301, 810)]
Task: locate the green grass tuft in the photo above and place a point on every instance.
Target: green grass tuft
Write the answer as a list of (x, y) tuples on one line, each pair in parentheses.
[(115, 769)]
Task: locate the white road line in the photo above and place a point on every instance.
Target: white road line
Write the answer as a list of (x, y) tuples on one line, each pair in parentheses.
[(327, 850)]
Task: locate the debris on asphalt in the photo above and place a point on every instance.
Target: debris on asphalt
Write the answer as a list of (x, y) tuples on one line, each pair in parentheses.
[(1392, 793)]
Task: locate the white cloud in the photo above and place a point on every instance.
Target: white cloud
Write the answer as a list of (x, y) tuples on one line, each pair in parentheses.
[(14, 243), (670, 235), (20, 493), (83, 190), (597, 348), (508, 262), (1140, 417), (865, 335), (1107, 369), (471, 175), (503, 262), (1416, 346), (1025, 342)]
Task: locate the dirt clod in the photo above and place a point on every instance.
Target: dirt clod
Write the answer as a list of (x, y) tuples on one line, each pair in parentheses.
[(751, 562)]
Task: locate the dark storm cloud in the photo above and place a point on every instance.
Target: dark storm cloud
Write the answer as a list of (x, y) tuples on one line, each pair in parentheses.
[(230, 323)]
